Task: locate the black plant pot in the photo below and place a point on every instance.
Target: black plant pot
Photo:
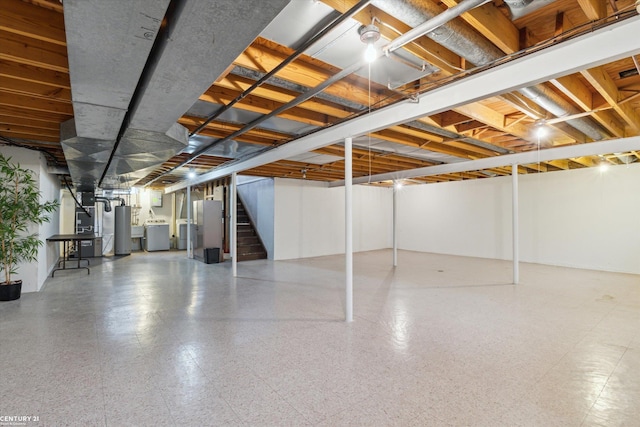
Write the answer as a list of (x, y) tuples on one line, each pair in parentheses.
[(11, 291)]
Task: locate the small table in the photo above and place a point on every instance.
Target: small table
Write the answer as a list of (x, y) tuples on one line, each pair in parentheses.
[(66, 239)]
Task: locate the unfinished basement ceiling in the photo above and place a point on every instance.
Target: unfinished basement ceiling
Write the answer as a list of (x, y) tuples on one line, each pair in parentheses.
[(166, 81)]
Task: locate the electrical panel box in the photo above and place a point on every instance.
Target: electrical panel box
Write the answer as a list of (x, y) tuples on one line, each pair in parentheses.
[(88, 199)]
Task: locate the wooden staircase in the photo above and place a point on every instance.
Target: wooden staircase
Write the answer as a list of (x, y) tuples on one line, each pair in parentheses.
[(249, 244)]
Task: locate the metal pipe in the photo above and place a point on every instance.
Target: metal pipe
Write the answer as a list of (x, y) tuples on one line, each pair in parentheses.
[(297, 100), (105, 201), (432, 24), (620, 145), (578, 53), (462, 40), (122, 203), (189, 222), (395, 223), (306, 45), (515, 223), (348, 228), (233, 209)]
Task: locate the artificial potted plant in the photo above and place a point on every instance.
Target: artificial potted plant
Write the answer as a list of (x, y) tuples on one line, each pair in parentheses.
[(20, 207)]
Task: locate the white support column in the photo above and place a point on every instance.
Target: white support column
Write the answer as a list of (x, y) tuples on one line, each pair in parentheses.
[(514, 187), (189, 222), (395, 224), (233, 225), (348, 228)]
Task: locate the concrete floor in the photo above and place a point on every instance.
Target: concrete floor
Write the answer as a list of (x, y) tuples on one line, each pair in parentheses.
[(156, 339)]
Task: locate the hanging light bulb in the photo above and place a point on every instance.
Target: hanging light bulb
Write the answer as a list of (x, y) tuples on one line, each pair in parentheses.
[(370, 53), (191, 174), (369, 34), (604, 165), (541, 129)]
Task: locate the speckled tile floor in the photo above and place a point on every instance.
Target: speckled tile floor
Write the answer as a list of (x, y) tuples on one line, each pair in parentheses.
[(156, 339)]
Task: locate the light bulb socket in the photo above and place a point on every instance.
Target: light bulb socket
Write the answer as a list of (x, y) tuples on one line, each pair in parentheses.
[(369, 34)]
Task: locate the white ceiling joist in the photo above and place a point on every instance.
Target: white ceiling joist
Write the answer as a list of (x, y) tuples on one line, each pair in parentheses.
[(608, 44), (568, 152)]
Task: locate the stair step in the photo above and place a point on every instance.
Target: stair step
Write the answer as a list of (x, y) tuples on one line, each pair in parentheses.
[(250, 257), (255, 247), (249, 241)]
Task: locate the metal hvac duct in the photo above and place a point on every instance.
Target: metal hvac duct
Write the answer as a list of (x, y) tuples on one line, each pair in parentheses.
[(116, 76), (202, 39), (108, 43), (460, 38)]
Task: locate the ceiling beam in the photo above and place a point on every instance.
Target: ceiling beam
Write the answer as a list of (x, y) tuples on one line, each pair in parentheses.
[(31, 73), (582, 96), (34, 52), (34, 103), (20, 17), (594, 9), (492, 24), (23, 87), (592, 49), (262, 56), (604, 84), (527, 159)]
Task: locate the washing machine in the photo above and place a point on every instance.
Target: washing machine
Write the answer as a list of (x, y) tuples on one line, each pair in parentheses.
[(156, 236)]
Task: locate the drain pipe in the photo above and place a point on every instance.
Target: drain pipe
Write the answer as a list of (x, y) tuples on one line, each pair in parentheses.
[(118, 198), (107, 204)]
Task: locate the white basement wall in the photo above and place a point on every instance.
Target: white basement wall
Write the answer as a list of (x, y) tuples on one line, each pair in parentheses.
[(582, 218), (309, 219)]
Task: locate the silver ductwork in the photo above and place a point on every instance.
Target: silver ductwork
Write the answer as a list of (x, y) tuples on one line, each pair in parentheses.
[(461, 39), (556, 105), (107, 43), (117, 77), (202, 38), (454, 35), (518, 4), (520, 8)]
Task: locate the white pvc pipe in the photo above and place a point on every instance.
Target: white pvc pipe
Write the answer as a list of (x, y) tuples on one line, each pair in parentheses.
[(348, 229), (516, 255), (233, 226), (189, 222), (395, 224)]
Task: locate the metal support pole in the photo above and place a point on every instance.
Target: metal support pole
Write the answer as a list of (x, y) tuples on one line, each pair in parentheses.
[(233, 226), (395, 224), (189, 222), (514, 187), (348, 229)]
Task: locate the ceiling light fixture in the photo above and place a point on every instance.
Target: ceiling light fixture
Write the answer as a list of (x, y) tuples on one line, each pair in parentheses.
[(191, 174), (540, 129), (369, 34)]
